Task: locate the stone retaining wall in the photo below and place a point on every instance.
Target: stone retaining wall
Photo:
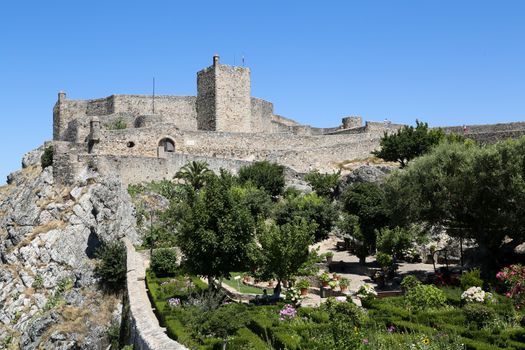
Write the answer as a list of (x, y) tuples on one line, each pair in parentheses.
[(146, 333)]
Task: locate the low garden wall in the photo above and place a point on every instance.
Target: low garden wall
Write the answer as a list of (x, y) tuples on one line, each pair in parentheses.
[(145, 331)]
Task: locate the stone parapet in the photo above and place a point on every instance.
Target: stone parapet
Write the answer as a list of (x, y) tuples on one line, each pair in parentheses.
[(146, 333)]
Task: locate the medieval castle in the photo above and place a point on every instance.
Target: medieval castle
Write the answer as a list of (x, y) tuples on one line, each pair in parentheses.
[(145, 138)]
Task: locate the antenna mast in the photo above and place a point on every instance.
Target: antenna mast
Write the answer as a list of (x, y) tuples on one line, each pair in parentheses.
[(153, 99)]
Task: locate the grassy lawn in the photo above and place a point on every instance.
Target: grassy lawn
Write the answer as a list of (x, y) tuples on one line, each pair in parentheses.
[(241, 287)]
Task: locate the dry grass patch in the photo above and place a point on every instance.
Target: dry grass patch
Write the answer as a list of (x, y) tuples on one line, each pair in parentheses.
[(79, 320), (52, 225), (352, 164)]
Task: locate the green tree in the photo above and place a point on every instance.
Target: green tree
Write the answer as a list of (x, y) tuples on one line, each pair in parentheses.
[(216, 230), (408, 143), (111, 269), (472, 191), (194, 173), (393, 241), (164, 261), (256, 200), (47, 157), (366, 201), (324, 185), (310, 207), (283, 249), (265, 175)]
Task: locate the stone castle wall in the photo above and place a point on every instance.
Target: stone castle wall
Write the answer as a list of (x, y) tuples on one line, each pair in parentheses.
[(205, 103), (261, 116), (489, 133), (68, 115), (233, 99), (301, 152)]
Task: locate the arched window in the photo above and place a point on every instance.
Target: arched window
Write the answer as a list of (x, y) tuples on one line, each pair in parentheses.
[(167, 145)]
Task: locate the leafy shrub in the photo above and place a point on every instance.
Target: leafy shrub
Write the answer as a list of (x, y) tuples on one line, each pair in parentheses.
[(471, 279), (312, 208), (38, 283), (396, 240), (514, 279), (246, 339), (134, 190), (302, 283), (164, 261), (265, 175), (324, 185), (425, 296), (118, 124), (384, 260), (286, 339), (47, 157), (348, 312), (221, 323), (409, 282), (478, 314), (112, 266)]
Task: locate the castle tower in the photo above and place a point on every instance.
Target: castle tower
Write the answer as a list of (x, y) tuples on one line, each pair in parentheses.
[(223, 98)]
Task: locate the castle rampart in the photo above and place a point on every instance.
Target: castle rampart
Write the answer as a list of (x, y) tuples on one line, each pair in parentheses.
[(143, 140)]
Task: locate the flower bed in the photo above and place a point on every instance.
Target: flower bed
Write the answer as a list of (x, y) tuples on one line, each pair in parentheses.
[(338, 324)]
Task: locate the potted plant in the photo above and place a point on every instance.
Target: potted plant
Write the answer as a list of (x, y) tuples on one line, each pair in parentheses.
[(303, 285), (335, 276), (344, 283), (329, 257), (324, 278), (332, 284)]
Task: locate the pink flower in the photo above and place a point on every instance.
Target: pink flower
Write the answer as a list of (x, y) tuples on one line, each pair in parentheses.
[(365, 341)]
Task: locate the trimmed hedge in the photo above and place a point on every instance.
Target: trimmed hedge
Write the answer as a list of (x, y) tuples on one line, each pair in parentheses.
[(264, 331), (246, 339)]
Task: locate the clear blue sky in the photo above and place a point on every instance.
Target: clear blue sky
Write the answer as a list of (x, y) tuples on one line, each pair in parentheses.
[(444, 62)]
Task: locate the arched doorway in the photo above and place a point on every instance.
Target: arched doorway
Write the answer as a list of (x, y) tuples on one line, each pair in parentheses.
[(166, 145)]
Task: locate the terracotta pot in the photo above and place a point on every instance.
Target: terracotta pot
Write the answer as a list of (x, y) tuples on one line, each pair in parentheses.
[(325, 284), (343, 288), (304, 291)]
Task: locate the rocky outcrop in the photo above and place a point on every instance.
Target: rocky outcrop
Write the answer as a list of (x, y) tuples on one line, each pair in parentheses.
[(365, 173), (49, 297)]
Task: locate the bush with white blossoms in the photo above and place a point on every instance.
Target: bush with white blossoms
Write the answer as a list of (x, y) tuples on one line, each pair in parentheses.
[(366, 291), (477, 295), (293, 295)]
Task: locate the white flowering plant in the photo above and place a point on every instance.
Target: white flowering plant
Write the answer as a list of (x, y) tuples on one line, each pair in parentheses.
[(293, 295), (366, 291), (477, 295)]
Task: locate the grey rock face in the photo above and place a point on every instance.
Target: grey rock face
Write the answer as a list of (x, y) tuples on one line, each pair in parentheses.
[(365, 173), (48, 236), (32, 157)]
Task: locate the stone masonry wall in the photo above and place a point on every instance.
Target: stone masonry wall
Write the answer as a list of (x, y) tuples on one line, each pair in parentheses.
[(233, 99), (300, 152), (205, 103), (133, 170), (261, 115), (146, 333), (178, 110)]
